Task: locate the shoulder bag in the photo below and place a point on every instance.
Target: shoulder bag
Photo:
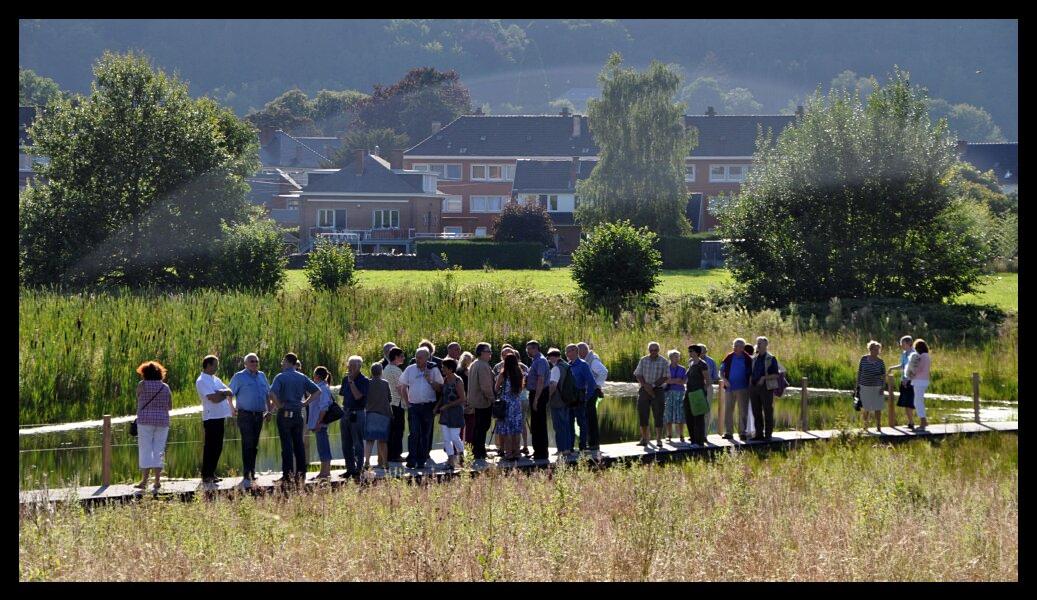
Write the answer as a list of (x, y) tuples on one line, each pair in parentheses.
[(133, 425), (334, 413)]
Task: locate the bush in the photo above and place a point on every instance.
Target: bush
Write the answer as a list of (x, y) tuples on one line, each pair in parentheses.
[(330, 266), (616, 263), (683, 252), (250, 256), (474, 255), (524, 222)]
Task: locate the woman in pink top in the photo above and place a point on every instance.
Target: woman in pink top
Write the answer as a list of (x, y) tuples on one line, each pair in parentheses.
[(918, 365)]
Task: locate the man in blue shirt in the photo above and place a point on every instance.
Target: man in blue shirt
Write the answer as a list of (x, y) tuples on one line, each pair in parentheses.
[(354, 402), (585, 387), (536, 383), (735, 370), (252, 392), (288, 391)]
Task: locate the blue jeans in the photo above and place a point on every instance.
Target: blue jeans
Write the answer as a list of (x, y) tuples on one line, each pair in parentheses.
[(290, 431), (323, 444), (561, 418), (353, 440), (579, 413), (417, 439)]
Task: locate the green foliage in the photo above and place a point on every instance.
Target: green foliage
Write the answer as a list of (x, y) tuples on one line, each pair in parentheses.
[(853, 202), (524, 222), (616, 263), (683, 252), (410, 105), (704, 92), (643, 142), (251, 256), (966, 122), (475, 254), (387, 140), (34, 90), (140, 178), (330, 266), (292, 111)]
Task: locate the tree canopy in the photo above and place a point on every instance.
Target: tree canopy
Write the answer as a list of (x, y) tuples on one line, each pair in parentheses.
[(524, 222), (331, 113), (643, 144), (410, 105), (386, 140), (854, 201), (34, 90), (140, 180)]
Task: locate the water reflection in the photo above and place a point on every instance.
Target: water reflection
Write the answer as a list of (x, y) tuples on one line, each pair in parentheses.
[(56, 458)]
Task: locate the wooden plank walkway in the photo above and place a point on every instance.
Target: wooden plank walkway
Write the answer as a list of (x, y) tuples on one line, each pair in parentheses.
[(610, 454)]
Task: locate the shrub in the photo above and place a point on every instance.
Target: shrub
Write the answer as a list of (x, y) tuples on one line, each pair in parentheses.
[(616, 263), (475, 255), (330, 266), (251, 256), (524, 222)]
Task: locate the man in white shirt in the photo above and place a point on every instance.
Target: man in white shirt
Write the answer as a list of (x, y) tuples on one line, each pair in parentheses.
[(419, 385), (216, 407), (600, 374)]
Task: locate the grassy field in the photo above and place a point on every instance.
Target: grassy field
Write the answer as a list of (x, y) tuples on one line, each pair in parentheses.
[(1001, 290), (841, 511), (555, 281)]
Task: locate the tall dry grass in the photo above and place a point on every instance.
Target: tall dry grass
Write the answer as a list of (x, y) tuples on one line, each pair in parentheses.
[(845, 510)]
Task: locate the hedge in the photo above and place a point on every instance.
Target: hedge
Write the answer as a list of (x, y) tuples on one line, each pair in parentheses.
[(683, 252), (472, 255)]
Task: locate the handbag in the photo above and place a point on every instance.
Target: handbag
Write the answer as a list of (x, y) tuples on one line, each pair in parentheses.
[(698, 403), (499, 409), (334, 413), (133, 425)]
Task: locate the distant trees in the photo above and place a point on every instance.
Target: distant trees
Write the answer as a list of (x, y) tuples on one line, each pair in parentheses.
[(643, 142), (330, 113), (141, 181), (524, 222), (386, 140), (704, 92), (854, 202), (410, 105), (34, 90), (966, 122)]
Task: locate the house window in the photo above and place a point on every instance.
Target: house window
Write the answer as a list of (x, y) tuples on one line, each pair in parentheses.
[(493, 172), (689, 173), (529, 198), (552, 203), (730, 173), (325, 217), (385, 218), (452, 230), (292, 203), (487, 203), (452, 204), (451, 171), (480, 232)]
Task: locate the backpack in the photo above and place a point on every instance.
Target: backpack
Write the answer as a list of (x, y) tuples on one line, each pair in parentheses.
[(783, 381), (567, 387)]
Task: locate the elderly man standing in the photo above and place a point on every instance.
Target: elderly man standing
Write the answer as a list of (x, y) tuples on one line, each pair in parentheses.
[(419, 384), (252, 391), (216, 407), (354, 420), (761, 391), (537, 384), (735, 371), (652, 372), (585, 387), (600, 374), (481, 397), (288, 390)]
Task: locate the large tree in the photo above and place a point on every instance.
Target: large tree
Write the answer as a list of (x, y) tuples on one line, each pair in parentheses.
[(643, 144), (34, 90), (141, 177), (854, 202), (410, 105)]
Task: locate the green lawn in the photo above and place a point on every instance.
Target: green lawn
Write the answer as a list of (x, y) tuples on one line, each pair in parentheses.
[(1001, 289), (676, 281)]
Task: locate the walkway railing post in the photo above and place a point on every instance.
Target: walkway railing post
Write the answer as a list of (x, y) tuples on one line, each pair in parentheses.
[(890, 406), (106, 452), (720, 408), (975, 395), (803, 422)]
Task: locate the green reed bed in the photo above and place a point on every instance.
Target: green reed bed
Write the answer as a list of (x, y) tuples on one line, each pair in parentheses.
[(844, 510), (77, 352)]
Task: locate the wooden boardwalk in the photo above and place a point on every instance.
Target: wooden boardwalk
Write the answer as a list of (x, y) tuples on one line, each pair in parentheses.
[(610, 454)]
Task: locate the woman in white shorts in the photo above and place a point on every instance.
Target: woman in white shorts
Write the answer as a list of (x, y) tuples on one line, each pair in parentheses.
[(918, 365)]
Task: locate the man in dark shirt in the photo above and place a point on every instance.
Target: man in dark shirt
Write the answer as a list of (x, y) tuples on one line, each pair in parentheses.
[(354, 401), (288, 390)]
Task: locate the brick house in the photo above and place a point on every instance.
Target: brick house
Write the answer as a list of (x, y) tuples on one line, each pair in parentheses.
[(477, 157), (552, 183), (370, 205)]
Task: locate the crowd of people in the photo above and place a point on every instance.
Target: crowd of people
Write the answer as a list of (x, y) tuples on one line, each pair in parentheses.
[(467, 392)]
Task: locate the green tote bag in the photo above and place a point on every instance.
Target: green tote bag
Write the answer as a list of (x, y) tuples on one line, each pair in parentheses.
[(697, 401)]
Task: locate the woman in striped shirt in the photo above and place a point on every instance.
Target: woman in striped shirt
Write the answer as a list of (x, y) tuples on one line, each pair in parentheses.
[(871, 375), (154, 401)]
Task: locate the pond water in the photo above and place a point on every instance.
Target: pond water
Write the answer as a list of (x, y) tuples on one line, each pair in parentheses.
[(57, 459)]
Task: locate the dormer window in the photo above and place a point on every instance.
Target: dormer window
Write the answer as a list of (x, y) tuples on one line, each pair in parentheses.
[(482, 138)]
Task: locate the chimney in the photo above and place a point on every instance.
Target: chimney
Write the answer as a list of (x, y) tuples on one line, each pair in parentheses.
[(360, 155), (436, 126), (576, 125), (377, 151), (266, 133), (710, 112), (396, 159), (799, 111), (574, 172), (960, 148)]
